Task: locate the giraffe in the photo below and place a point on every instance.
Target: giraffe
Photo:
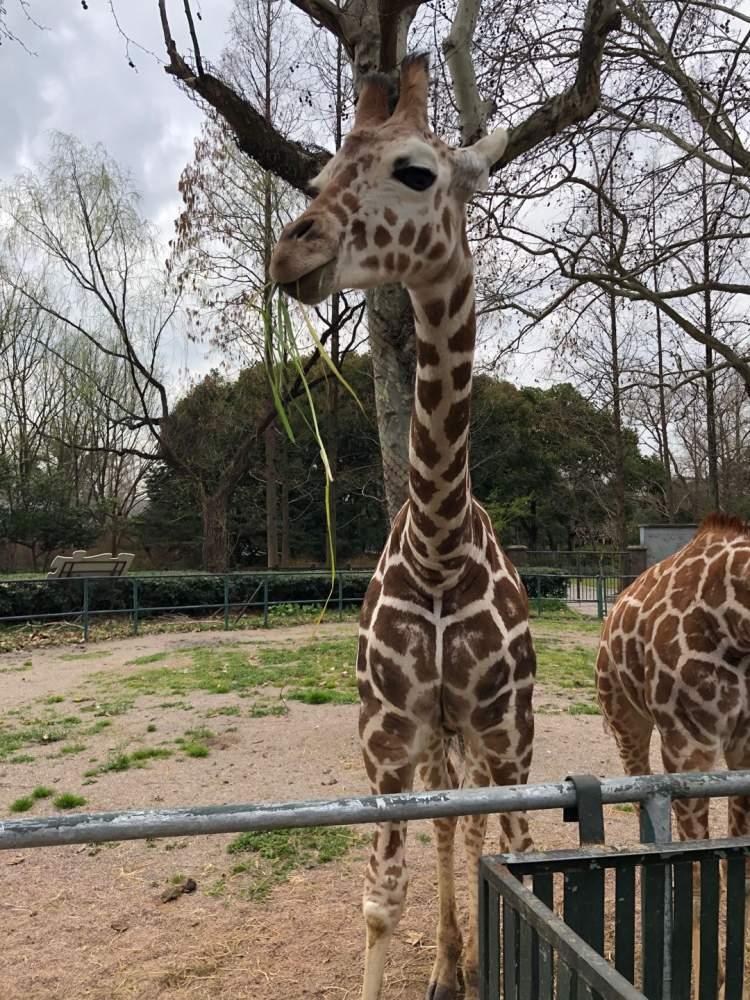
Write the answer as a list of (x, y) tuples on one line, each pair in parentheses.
[(444, 643), (675, 654)]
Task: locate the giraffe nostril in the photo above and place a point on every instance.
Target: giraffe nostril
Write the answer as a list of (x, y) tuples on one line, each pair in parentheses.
[(301, 229)]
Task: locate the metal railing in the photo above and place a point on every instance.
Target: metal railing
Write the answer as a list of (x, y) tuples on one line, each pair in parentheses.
[(543, 955), (655, 792), (230, 597)]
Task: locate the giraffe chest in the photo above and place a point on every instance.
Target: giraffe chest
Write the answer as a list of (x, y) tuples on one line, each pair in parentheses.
[(443, 660)]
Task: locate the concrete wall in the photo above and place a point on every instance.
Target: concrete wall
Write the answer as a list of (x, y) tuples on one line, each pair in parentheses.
[(662, 540)]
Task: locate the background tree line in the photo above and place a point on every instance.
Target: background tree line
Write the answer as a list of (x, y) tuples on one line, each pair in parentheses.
[(613, 254)]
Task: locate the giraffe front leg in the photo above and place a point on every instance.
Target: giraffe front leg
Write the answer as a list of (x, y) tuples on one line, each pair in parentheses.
[(485, 766), (386, 881)]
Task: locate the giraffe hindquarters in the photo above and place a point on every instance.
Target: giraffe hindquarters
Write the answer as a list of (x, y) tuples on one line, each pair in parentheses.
[(437, 771), (631, 729)]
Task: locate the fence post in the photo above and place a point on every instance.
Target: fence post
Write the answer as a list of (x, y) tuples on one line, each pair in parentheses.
[(265, 602), (341, 595), (539, 596), (599, 597), (85, 609), (135, 607), (226, 603)]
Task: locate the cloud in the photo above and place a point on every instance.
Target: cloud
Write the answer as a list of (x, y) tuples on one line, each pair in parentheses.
[(78, 80)]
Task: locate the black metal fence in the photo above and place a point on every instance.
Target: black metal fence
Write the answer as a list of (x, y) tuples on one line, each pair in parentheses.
[(230, 597), (567, 924)]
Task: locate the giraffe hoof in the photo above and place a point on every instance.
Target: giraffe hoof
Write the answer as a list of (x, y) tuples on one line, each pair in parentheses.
[(438, 991)]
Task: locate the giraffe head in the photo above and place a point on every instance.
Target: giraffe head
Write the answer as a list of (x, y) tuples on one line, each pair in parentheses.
[(390, 205)]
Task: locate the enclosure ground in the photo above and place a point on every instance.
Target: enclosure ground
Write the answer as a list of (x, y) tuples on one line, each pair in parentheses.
[(167, 720)]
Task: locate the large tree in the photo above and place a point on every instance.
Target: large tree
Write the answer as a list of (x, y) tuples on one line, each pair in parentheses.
[(374, 36)]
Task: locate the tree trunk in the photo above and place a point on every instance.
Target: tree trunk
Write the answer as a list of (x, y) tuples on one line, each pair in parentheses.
[(621, 532), (665, 455), (393, 353), (708, 323), (333, 435), (215, 535), (285, 553), (272, 499)]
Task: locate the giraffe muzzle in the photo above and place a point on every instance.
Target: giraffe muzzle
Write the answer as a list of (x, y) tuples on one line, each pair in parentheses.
[(314, 286)]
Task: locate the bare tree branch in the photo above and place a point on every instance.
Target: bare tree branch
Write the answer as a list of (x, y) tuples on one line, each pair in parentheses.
[(473, 111), (581, 99), (294, 162)]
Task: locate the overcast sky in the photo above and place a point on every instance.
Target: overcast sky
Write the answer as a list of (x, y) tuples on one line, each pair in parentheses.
[(75, 78)]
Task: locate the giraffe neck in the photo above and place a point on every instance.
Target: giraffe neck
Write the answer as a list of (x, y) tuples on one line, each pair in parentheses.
[(439, 526)]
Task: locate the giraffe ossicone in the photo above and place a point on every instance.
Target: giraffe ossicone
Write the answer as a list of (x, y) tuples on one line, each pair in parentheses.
[(445, 653)]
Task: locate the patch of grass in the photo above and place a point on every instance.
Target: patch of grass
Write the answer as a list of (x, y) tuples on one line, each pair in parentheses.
[(67, 800), (200, 733), (319, 666), (151, 728), (625, 807), (260, 709), (278, 853), (177, 878), (85, 656), (20, 758), (124, 761), (222, 710), (16, 670), (22, 805), (54, 699), (217, 888), (564, 667), (424, 838), (40, 730), (584, 708), (193, 749), (118, 706), (149, 753), (96, 727), (314, 696), (42, 792), (141, 661)]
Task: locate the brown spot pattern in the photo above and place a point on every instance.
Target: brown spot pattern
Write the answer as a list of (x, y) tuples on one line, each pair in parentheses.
[(407, 234), (434, 311), (429, 393), (425, 235), (382, 236)]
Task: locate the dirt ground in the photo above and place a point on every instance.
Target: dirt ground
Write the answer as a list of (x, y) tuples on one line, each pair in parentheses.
[(89, 921)]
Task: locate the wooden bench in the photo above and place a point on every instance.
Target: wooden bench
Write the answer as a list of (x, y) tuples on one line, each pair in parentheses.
[(79, 564)]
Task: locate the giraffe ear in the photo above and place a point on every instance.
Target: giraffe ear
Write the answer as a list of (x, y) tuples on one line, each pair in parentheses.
[(473, 163), (491, 147)]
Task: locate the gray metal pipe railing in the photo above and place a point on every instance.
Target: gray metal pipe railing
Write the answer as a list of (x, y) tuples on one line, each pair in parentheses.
[(84, 828)]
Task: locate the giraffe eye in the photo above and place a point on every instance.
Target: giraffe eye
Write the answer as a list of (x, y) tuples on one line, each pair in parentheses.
[(416, 178)]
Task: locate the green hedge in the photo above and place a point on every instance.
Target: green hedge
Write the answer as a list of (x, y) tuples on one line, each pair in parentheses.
[(33, 599), (198, 595), (540, 585)]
